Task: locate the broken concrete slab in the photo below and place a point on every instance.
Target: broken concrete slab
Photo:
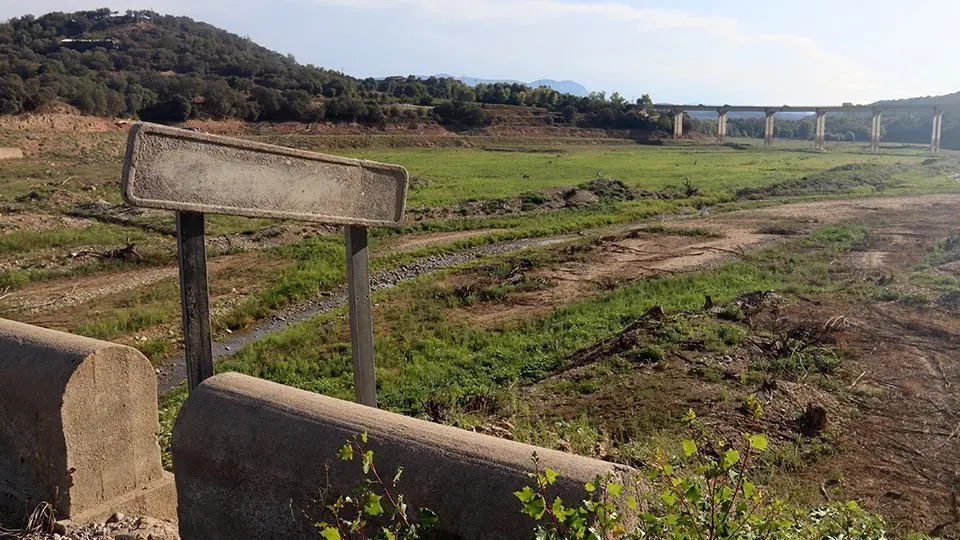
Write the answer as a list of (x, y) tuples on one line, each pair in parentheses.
[(78, 425), (181, 170), (265, 472)]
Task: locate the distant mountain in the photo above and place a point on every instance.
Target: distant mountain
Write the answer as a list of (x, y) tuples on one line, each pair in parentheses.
[(565, 87)]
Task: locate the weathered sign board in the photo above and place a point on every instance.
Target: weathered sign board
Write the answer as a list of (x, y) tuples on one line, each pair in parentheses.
[(195, 173)]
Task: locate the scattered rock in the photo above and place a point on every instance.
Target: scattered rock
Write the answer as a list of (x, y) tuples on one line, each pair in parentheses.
[(581, 197), (813, 420)]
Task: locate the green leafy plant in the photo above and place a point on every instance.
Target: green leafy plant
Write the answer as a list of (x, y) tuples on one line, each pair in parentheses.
[(707, 492), (596, 517), (363, 515), (704, 494)]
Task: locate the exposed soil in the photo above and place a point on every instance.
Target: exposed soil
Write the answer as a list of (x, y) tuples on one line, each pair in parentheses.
[(626, 257), (887, 418)]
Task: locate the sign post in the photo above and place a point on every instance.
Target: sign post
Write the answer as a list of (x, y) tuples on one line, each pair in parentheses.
[(361, 320), (194, 174), (194, 297)]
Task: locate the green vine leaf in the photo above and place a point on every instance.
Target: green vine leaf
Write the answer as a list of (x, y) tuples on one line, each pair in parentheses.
[(758, 442), (373, 507), (329, 533)]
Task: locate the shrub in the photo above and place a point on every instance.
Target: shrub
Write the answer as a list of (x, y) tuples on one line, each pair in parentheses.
[(705, 494), (363, 515)]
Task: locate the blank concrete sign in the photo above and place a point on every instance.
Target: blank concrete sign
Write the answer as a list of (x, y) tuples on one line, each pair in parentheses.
[(187, 171), (195, 173)]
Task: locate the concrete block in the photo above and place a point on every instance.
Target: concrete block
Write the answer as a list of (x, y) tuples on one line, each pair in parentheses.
[(78, 424), (11, 153), (254, 458), (176, 169)]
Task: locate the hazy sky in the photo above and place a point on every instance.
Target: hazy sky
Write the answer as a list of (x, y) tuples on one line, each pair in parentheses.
[(766, 52)]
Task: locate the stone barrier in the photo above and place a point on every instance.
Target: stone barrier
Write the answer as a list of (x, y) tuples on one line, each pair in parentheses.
[(78, 425), (256, 459)]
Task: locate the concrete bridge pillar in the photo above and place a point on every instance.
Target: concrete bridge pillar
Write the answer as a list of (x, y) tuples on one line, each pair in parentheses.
[(768, 129), (678, 125), (935, 136), (875, 124), (821, 130), (722, 127)]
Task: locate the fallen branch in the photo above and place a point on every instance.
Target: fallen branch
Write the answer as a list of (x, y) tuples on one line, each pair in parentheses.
[(857, 380)]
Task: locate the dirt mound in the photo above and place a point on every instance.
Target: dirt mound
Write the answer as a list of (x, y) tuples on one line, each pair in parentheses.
[(610, 190), (843, 179), (586, 195)]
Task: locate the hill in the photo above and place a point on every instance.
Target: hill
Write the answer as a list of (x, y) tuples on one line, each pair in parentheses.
[(164, 68)]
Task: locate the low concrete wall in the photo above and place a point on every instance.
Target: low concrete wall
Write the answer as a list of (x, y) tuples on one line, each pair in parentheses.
[(253, 458), (78, 424)]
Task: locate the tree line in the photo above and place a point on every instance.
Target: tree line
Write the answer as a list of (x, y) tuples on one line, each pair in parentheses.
[(164, 68)]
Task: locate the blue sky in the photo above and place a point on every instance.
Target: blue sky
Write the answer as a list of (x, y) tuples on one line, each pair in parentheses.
[(698, 51)]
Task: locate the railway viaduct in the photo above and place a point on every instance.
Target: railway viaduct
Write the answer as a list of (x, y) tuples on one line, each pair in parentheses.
[(876, 112)]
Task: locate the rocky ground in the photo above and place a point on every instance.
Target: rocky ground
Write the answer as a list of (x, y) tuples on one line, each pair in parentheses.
[(118, 527)]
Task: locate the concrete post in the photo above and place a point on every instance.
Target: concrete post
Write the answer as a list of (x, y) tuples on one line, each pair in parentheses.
[(875, 124), (78, 425), (935, 136), (768, 128), (722, 127), (821, 130), (678, 125)]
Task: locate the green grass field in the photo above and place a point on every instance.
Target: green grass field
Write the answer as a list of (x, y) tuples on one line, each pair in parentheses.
[(463, 174)]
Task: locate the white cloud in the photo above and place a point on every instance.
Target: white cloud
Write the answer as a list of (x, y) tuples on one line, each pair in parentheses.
[(604, 37)]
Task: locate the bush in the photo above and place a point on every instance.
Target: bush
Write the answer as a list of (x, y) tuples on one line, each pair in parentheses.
[(461, 114)]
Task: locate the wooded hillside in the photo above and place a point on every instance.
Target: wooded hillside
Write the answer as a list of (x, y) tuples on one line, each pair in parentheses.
[(167, 69)]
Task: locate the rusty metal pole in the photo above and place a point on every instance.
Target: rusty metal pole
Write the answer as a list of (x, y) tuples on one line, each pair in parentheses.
[(361, 316), (194, 299)]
